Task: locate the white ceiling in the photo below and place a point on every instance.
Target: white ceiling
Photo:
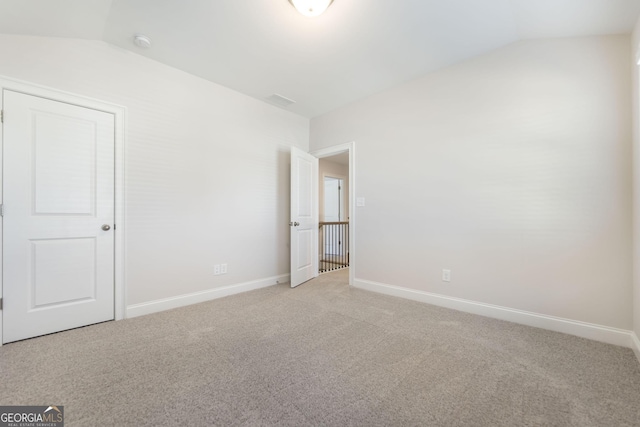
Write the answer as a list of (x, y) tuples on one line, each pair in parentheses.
[(357, 48)]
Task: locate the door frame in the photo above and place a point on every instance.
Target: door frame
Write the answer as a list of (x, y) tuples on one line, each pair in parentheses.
[(349, 147), (119, 113)]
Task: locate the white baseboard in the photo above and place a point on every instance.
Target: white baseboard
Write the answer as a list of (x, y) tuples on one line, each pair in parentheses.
[(635, 345), (591, 331), (197, 297)]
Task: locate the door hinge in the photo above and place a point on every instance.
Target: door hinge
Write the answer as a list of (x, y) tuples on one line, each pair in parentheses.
[(1, 210), (1, 116), (0, 303)]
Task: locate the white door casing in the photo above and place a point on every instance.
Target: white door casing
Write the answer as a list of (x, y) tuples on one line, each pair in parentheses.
[(58, 192), (304, 217)]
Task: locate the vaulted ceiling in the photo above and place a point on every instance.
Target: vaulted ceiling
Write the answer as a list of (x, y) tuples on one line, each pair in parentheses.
[(355, 49)]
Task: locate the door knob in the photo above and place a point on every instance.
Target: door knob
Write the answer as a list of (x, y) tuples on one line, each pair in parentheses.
[(106, 227), (294, 224)]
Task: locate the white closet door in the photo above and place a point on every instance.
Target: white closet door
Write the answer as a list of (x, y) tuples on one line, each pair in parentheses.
[(58, 258)]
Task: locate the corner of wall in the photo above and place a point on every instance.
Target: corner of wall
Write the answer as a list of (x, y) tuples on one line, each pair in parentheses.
[(635, 345), (635, 53)]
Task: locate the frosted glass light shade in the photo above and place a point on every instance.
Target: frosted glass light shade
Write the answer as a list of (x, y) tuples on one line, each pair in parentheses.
[(311, 8)]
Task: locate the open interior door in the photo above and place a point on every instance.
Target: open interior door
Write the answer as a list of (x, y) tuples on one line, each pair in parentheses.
[(304, 217)]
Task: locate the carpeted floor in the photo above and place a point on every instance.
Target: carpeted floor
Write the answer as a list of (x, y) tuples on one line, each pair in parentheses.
[(322, 354)]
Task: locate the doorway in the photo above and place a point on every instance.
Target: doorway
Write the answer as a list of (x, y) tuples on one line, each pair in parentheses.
[(333, 229), (336, 207), (62, 199)]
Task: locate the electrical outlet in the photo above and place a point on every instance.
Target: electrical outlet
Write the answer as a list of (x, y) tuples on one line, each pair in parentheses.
[(446, 275), (223, 269), (216, 269)]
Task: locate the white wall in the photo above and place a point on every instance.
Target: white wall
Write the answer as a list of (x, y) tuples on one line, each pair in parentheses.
[(512, 169), (334, 169), (635, 56), (206, 174)]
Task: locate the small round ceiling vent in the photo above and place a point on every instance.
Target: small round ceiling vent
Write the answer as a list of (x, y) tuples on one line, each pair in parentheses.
[(142, 41)]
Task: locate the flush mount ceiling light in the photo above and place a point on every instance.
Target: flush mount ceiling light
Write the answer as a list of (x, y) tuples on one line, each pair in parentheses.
[(311, 8), (142, 41)]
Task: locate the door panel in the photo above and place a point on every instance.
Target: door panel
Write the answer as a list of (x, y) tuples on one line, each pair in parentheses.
[(304, 244), (58, 193), (63, 184), (304, 216), (62, 261)]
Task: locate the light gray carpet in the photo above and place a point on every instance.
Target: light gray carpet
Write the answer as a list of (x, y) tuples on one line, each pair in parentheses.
[(321, 354)]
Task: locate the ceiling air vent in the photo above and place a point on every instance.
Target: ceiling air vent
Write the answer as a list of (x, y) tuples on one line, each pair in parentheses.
[(279, 100)]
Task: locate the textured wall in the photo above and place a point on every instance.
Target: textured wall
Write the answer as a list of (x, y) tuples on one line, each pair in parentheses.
[(512, 169), (207, 169), (635, 56)]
